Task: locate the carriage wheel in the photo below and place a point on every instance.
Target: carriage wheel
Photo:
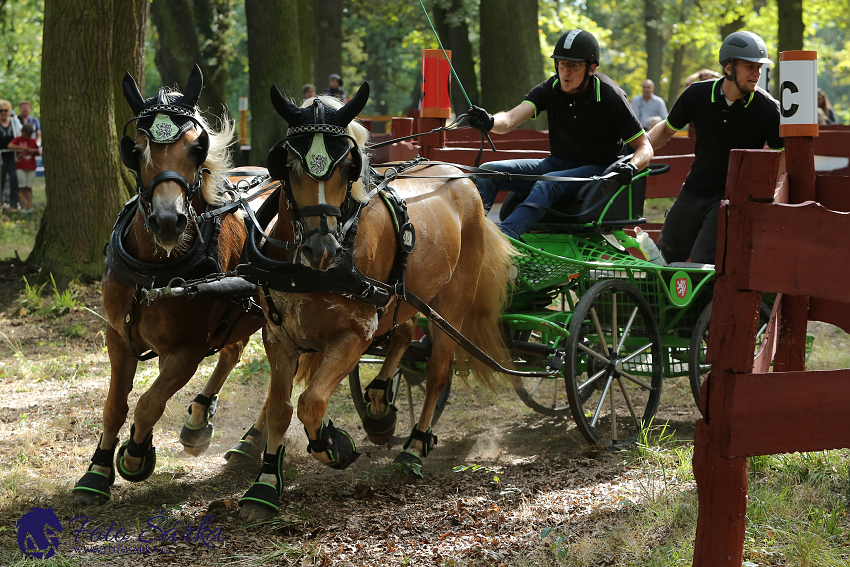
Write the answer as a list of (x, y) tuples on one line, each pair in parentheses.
[(407, 376), (613, 367), (546, 396), (697, 366)]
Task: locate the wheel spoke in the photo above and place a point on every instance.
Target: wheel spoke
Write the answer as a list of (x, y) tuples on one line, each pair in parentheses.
[(628, 401), (627, 329), (599, 332), (537, 385), (614, 324), (641, 350), (613, 418), (601, 401), (594, 354), (635, 380), (591, 380)]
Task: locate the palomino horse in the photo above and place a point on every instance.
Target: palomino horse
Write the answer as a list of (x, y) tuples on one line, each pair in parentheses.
[(179, 161), (458, 265)]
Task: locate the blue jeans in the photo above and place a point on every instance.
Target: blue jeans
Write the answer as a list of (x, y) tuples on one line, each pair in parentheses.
[(545, 193)]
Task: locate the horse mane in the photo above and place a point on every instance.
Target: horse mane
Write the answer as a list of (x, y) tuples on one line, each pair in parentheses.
[(218, 159), (356, 131)]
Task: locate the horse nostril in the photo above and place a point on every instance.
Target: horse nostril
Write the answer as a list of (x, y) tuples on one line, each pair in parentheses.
[(182, 221), (153, 226)]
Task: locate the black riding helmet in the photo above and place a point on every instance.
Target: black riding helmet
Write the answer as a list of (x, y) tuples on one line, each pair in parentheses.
[(742, 45), (577, 45)]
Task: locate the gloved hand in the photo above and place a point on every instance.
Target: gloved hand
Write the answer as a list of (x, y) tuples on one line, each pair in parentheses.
[(480, 119), (625, 172)]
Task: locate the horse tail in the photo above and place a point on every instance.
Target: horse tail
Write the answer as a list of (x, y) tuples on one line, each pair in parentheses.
[(482, 325)]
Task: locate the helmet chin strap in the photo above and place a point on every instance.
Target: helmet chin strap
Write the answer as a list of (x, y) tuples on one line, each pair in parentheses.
[(734, 77), (586, 77)]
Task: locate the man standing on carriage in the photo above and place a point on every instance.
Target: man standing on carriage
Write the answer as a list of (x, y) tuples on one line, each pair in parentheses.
[(590, 123), (731, 112)]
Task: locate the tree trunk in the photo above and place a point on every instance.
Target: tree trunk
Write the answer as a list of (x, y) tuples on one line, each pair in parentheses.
[(274, 57), (84, 185), (179, 49), (214, 19), (509, 69), (653, 10), (328, 41), (676, 73), (456, 38), (128, 55), (790, 33), (306, 22)]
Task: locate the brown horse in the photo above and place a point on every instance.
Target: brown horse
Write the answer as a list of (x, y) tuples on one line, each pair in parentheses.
[(459, 266), (179, 161)]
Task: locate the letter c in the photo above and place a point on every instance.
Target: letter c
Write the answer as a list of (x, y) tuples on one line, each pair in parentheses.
[(792, 110)]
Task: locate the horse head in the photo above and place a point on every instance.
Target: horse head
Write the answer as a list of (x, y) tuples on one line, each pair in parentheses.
[(320, 163), (168, 154)]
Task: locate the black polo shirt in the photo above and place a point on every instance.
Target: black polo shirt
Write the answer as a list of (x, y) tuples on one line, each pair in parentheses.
[(591, 127), (748, 123)]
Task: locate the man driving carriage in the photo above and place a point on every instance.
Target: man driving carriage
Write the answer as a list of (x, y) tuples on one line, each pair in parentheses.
[(731, 112), (590, 122)]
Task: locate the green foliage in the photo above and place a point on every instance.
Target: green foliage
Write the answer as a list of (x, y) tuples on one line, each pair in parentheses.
[(21, 27), (63, 301), (474, 468), (31, 299)]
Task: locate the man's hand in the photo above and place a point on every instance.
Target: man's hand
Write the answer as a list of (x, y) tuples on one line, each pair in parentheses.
[(625, 172), (480, 119)]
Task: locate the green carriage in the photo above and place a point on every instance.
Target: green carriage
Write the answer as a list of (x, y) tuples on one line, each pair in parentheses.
[(604, 325)]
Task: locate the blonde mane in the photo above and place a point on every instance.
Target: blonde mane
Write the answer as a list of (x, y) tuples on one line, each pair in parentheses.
[(356, 131)]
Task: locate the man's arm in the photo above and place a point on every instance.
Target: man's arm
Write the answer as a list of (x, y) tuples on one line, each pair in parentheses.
[(12, 146), (660, 134), (643, 152), (514, 118)]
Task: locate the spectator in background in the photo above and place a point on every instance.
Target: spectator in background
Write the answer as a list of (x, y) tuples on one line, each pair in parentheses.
[(335, 87), (702, 75), (650, 124), (308, 91), (10, 128), (648, 105), (27, 149), (825, 107), (26, 118)]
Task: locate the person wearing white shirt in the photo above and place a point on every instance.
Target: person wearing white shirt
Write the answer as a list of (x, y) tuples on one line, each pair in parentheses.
[(649, 105)]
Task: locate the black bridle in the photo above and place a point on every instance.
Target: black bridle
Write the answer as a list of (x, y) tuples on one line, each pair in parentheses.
[(349, 209), (131, 158)]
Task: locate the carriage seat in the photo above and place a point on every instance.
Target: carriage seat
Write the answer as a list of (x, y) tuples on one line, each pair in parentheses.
[(589, 203)]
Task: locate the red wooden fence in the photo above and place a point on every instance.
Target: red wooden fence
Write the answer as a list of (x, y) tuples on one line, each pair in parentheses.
[(796, 251)]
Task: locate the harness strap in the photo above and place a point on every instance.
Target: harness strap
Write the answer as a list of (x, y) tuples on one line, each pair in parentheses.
[(129, 319), (427, 438), (209, 403), (465, 343)]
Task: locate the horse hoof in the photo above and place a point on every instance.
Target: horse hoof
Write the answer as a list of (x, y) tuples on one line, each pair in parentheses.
[(261, 501), (380, 429), (247, 450), (254, 511), (93, 488), (145, 450), (338, 445), (196, 441)]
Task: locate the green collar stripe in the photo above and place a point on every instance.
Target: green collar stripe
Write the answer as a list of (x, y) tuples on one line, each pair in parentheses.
[(535, 109), (714, 88), (598, 89)]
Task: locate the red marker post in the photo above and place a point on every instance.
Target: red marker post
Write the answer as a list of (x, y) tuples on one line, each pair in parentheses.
[(436, 98)]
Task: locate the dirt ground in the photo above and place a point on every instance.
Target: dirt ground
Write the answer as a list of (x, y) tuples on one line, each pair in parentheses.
[(532, 472)]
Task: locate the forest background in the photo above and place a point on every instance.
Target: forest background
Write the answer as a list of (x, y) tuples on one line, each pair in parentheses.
[(381, 41), (68, 58)]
